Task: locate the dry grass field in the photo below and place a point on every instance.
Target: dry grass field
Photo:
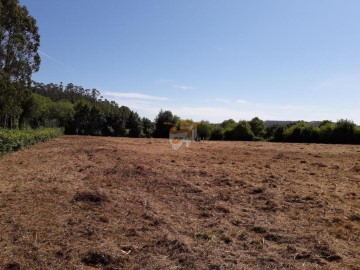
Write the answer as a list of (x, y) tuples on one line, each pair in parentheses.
[(119, 203)]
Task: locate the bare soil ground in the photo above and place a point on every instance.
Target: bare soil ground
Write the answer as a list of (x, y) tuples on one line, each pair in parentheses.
[(119, 203)]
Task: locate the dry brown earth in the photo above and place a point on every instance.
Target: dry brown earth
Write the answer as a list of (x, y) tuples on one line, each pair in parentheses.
[(119, 203)]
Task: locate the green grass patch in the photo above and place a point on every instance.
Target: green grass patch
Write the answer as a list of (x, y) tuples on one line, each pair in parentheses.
[(13, 140)]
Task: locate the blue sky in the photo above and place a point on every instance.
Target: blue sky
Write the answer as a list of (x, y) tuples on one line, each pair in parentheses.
[(208, 59)]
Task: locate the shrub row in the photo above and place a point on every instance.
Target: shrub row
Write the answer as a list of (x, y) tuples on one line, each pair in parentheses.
[(12, 140), (341, 132)]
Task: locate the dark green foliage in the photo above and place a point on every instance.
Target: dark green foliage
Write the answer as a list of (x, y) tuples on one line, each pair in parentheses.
[(81, 117), (148, 127), (357, 135), (41, 107), (19, 43), (241, 132), (326, 129), (116, 119), (258, 139), (63, 111), (325, 122), (90, 115), (258, 127), (88, 119), (70, 92), (12, 140), (96, 118), (217, 133), (135, 125), (12, 96), (229, 135), (163, 122), (344, 132), (20, 40), (204, 129), (228, 124), (279, 134), (275, 133), (301, 132)]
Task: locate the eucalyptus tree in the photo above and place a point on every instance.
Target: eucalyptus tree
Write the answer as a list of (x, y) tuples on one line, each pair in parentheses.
[(20, 41), (19, 58)]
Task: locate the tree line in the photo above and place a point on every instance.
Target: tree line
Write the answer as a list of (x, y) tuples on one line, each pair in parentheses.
[(341, 132)]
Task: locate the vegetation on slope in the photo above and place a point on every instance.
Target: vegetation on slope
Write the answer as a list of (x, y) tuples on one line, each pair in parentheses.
[(12, 140)]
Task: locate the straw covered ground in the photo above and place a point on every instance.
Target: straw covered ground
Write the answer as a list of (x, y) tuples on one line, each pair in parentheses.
[(119, 203)]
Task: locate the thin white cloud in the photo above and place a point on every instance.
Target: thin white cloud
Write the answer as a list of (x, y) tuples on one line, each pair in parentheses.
[(228, 101), (242, 101), (183, 87), (53, 59), (133, 95)]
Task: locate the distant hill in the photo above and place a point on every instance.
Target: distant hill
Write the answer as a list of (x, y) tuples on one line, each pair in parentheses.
[(269, 123)]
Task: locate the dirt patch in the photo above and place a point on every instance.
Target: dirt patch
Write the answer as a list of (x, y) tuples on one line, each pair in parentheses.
[(355, 217), (96, 259), (259, 229), (326, 253), (355, 168), (277, 238), (12, 266), (89, 197)]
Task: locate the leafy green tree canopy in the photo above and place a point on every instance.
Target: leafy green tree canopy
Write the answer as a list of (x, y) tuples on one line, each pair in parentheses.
[(301, 132), (228, 124), (163, 122), (217, 133), (258, 127), (344, 131), (204, 129), (20, 40)]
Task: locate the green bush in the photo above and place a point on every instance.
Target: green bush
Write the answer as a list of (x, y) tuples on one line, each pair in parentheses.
[(357, 135), (241, 132), (204, 129), (258, 139), (301, 132), (326, 132), (217, 134), (344, 132), (258, 127), (275, 133), (12, 140)]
